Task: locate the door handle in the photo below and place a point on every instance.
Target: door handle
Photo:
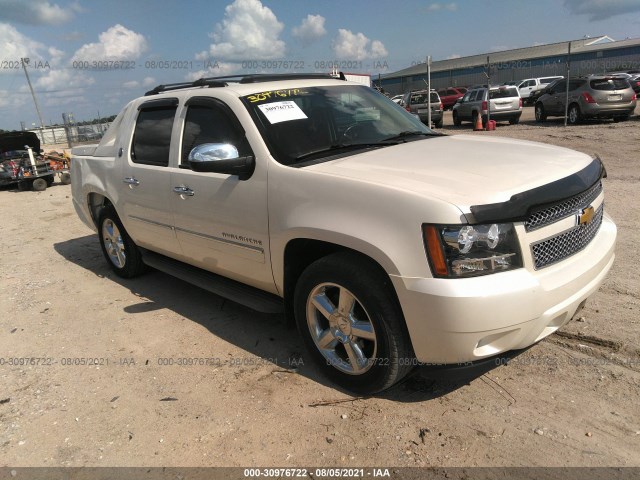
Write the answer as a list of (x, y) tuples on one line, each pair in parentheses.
[(131, 181), (184, 191)]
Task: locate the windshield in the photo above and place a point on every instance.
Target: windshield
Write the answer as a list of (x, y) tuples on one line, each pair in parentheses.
[(322, 121)]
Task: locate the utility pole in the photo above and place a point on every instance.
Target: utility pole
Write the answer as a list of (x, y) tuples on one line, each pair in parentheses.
[(566, 98), (488, 91), (24, 62), (429, 92)]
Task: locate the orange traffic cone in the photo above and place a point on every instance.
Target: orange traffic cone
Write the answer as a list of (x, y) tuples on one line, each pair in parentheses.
[(478, 126)]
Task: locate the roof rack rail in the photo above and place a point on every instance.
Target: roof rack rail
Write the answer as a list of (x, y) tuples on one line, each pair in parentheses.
[(216, 82)]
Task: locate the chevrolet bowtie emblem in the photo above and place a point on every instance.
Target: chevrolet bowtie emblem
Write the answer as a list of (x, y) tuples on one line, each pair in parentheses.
[(586, 216)]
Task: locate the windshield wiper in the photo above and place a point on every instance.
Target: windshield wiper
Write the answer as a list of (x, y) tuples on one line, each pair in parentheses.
[(411, 133), (345, 146)]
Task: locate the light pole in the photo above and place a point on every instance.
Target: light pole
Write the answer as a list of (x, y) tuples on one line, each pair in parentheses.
[(25, 62)]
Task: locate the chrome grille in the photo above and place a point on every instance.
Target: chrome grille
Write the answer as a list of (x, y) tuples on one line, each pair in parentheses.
[(566, 208), (566, 244)]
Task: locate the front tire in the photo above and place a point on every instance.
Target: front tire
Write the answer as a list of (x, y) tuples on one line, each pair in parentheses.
[(39, 185), (350, 321), (540, 115), (456, 120), (121, 253)]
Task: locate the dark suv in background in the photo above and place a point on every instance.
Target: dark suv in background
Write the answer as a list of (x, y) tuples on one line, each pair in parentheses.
[(595, 96), (416, 102)]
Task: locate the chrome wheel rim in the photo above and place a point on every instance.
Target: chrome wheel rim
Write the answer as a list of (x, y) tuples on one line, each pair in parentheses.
[(538, 113), (113, 243), (341, 329), (573, 114)]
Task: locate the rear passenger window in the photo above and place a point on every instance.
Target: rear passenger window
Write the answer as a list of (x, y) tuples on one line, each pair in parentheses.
[(573, 84), (152, 135)]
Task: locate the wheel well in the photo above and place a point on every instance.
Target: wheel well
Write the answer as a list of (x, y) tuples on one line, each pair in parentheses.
[(96, 203), (302, 252)]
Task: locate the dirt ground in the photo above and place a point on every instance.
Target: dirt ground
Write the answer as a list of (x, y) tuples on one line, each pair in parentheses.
[(571, 400)]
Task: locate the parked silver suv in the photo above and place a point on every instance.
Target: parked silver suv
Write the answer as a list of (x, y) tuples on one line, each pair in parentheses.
[(595, 96), (505, 103), (416, 102)]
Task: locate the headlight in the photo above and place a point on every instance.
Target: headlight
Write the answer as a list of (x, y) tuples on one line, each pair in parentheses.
[(458, 251)]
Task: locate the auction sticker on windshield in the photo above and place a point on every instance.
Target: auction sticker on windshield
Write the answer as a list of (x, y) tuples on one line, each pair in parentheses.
[(277, 112)]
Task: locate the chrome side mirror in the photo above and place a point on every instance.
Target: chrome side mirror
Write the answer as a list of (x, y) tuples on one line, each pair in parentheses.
[(221, 158)]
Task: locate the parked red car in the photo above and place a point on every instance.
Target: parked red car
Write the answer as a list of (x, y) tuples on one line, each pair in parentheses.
[(450, 95)]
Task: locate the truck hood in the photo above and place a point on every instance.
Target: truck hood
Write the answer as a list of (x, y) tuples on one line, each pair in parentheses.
[(463, 170)]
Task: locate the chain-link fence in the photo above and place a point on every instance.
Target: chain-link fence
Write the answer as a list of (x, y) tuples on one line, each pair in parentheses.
[(72, 134)]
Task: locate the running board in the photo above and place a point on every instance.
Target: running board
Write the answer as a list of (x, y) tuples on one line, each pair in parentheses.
[(250, 297)]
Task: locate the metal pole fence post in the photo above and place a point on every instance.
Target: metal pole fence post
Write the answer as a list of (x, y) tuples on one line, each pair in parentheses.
[(566, 98), (429, 91)]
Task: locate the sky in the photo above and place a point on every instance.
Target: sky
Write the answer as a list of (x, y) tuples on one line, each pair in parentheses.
[(92, 57)]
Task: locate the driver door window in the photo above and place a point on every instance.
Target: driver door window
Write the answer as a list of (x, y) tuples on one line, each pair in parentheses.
[(206, 122)]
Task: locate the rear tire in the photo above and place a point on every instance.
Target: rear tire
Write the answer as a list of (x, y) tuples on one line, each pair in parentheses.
[(121, 253), (514, 120), (39, 185), (439, 123), (573, 115), (65, 178), (351, 323)]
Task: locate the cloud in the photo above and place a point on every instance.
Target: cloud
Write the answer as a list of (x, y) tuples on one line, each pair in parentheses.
[(74, 36), (453, 56), (117, 43), (55, 56), (216, 70), (14, 45), (58, 80), (310, 30), (601, 9), (355, 46), (440, 7), (249, 31), (36, 12), (146, 82)]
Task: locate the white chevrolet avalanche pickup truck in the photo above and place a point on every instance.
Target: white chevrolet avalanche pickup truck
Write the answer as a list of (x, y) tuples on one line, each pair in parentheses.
[(389, 244)]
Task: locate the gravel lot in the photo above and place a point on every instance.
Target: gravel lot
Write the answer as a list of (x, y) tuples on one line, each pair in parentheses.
[(571, 400)]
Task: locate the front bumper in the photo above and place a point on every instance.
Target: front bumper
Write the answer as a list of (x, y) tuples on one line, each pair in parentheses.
[(462, 320)]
